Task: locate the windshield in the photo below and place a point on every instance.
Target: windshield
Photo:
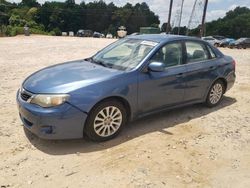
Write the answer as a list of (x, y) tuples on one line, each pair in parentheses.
[(124, 54)]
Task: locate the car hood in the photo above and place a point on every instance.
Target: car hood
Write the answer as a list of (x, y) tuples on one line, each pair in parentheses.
[(67, 77)]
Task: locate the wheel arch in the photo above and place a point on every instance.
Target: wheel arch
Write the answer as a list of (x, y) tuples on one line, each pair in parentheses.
[(120, 99), (224, 81), (221, 79)]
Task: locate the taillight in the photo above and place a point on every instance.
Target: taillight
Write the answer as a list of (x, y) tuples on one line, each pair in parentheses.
[(234, 64)]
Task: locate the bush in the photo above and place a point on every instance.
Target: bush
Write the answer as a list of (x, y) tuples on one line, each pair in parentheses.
[(52, 33), (19, 30), (3, 29), (37, 31), (13, 31), (56, 32), (16, 20), (10, 31)]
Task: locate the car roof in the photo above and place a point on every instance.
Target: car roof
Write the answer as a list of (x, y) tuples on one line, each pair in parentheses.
[(162, 37)]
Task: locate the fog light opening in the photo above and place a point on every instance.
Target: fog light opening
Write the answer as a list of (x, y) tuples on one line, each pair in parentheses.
[(47, 129)]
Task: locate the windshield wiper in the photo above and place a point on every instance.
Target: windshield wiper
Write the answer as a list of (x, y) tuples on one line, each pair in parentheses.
[(101, 63), (97, 62)]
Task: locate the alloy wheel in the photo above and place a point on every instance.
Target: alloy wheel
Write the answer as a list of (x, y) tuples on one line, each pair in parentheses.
[(216, 93), (108, 121)]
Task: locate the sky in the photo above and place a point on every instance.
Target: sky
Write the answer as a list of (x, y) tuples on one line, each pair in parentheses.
[(216, 8)]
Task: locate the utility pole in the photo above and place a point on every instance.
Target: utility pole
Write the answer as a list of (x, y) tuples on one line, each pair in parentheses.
[(169, 16), (180, 17), (204, 19)]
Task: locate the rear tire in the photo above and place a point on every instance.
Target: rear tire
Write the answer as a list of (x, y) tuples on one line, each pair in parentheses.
[(105, 120), (215, 94)]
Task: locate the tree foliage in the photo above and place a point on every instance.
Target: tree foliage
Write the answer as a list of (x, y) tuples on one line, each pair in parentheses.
[(55, 17), (235, 24)]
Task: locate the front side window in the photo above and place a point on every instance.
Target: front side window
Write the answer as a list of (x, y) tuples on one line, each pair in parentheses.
[(196, 52), (170, 55), (125, 54)]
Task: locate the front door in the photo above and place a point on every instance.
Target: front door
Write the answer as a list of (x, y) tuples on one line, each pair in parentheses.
[(161, 89)]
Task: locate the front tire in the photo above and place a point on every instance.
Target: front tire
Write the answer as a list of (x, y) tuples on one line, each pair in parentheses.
[(215, 94), (105, 120)]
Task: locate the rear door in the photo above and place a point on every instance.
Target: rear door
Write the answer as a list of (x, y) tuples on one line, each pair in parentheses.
[(201, 65)]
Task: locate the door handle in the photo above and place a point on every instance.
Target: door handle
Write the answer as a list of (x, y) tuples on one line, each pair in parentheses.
[(179, 75)]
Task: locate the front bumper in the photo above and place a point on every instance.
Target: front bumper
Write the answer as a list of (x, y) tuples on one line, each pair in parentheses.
[(61, 122)]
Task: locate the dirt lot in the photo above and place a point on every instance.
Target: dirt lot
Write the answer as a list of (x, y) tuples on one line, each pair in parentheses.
[(189, 147)]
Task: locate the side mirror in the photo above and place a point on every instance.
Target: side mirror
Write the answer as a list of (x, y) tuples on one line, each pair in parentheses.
[(156, 66)]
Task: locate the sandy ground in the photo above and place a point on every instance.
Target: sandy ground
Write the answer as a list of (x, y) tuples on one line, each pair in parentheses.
[(189, 147)]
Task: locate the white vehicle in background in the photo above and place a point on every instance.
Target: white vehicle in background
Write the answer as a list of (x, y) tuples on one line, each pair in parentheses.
[(109, 36), (71, 33), (64, 34), (211, 40)]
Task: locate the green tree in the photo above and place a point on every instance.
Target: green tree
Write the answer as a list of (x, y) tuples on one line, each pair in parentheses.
[(69, 16), (235, 24), (29, 3)]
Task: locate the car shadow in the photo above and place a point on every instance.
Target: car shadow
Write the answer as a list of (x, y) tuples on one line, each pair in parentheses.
[(157, 122)]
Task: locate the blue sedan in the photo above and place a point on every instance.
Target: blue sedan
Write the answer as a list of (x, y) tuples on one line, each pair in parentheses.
[(133, 77)]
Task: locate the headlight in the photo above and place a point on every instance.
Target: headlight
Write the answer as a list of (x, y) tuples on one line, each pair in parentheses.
[(49, 100)]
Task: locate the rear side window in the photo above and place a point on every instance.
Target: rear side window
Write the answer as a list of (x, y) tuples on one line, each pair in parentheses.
[(211, 52), (196, 52)]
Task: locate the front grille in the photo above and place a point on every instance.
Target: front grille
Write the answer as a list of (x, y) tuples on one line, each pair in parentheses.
[(24, 95)]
